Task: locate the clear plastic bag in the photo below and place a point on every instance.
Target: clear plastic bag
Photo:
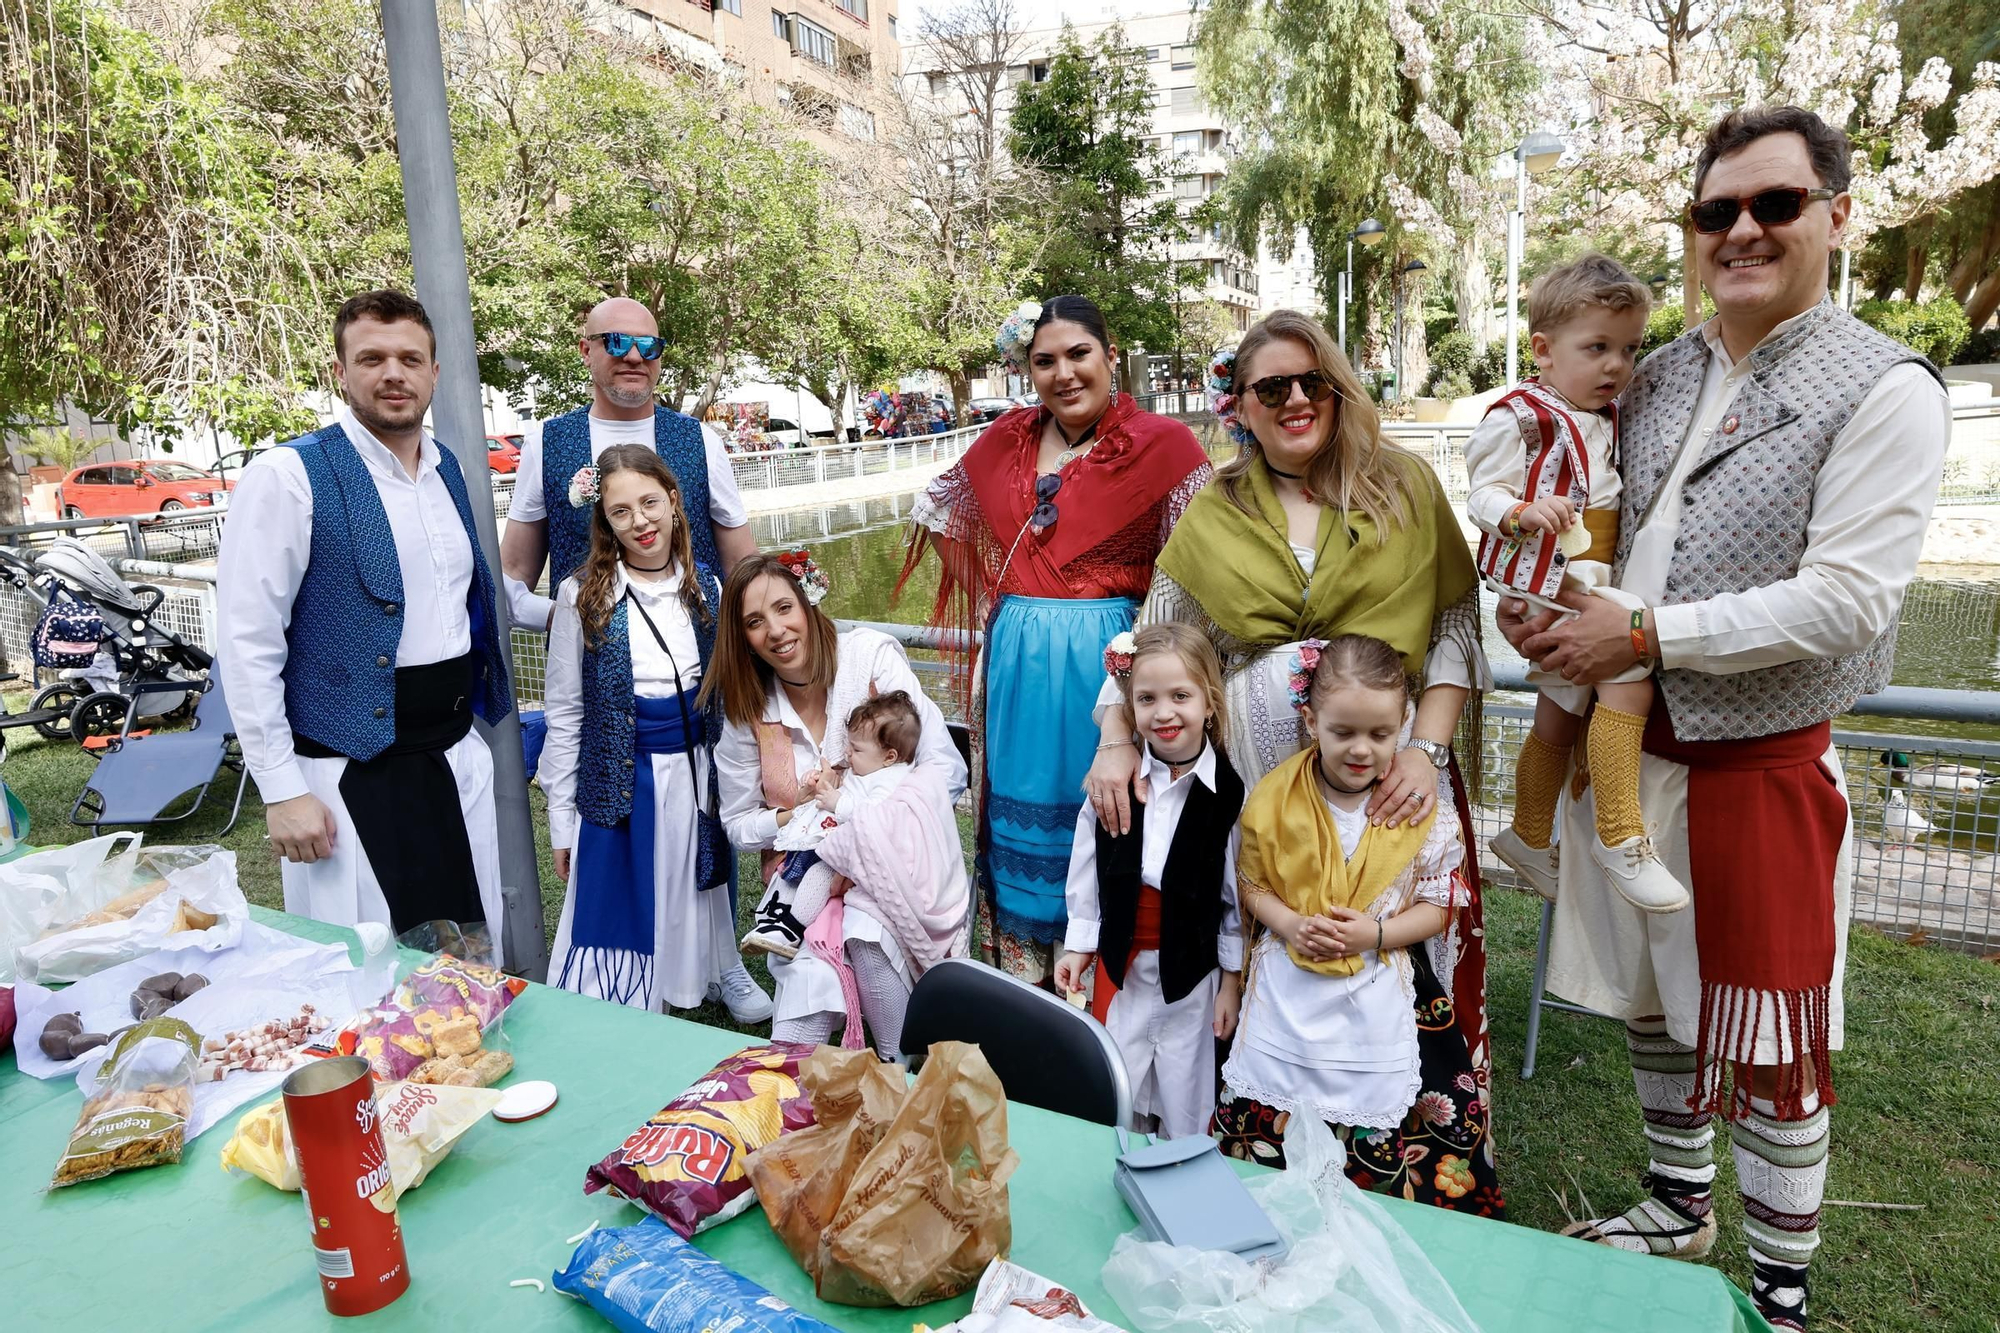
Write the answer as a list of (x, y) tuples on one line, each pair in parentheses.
[(1350, 1266)]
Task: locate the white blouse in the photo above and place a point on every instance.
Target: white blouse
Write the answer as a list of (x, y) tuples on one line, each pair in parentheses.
[(656, 674)]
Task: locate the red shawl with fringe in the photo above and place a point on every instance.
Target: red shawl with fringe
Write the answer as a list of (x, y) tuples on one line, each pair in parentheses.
[(1114, 509)]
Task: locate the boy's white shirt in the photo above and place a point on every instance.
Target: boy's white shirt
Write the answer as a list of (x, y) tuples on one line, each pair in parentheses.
[(811, 822), (1496, 465), (1163, 817)]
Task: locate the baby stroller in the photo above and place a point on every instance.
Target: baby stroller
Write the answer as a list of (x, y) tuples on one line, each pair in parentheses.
[(139, 668)]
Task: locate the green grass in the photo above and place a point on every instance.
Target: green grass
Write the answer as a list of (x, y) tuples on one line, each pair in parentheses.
[(1917, 1120)]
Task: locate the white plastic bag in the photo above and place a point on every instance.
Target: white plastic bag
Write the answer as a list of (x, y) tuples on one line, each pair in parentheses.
[(199, 879), (1350, 1266), (43, 890)]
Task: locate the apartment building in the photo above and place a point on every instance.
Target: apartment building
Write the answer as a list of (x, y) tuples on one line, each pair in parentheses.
[(1185, 129), (832, 62)]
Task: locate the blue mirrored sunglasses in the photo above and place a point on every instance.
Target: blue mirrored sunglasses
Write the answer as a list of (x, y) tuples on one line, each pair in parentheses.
[(618, 344)]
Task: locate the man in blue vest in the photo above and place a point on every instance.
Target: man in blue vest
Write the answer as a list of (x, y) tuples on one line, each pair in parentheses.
[(359, 637), (621, 346)]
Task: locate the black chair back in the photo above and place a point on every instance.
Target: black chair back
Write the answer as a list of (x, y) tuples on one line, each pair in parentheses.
[(1047, 1053)]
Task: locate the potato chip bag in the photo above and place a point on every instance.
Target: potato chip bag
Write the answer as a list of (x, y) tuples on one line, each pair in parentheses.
[(685, 1164), (420, 1122)]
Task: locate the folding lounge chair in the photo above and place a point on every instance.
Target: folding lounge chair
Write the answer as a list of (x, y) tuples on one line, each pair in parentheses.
[(142, 776), (1047, 1053)]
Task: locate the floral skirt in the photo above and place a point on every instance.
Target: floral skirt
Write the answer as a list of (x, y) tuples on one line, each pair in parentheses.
[(1442, 1153)]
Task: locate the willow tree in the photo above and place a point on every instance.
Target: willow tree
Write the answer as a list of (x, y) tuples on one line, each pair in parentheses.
[(149, 276), (1352, 108)]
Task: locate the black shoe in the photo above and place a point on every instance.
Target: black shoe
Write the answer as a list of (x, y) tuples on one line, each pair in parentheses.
[(777, 932), (1766, 1281)]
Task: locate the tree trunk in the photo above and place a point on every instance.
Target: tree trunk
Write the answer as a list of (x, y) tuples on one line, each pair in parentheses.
[(1472, 292), (1690, 278), (1916, 258), (961, 392), (709, 389), (1985, 299), (1885, 286), (1979, 257), (10, 489)]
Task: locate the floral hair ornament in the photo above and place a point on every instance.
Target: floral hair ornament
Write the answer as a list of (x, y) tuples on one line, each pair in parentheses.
[(1223, 400), (812, 579), (1118, 655), (1305, 662), (584, 487), (1017, 331)]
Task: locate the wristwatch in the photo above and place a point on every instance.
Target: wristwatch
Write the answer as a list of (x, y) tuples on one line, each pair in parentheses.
[(1439, 755)]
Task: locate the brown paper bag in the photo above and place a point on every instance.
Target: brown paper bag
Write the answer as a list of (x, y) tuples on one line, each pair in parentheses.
[(893, 1197)]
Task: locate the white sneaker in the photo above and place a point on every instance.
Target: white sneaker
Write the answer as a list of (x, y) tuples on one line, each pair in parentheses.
[(1536, 865), (1634, 869), (745, 999)]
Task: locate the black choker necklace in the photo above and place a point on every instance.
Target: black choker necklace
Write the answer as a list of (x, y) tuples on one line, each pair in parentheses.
[(795, 684), (1288, 476), (649, 569)]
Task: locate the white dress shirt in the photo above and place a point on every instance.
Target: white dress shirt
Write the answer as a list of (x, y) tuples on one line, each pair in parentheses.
[(1496, 465), (725, 500), (1163, 816), (654, 676), (1872, 501), (266, 545)]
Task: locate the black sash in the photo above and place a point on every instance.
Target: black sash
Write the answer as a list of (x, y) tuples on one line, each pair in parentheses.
[(404, 801)]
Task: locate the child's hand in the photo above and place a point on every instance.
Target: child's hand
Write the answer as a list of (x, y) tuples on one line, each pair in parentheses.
[(1551, 513), (1228, 1002), (1071, 969), (838, 889), (1311, 936), (826, 785), (1353, 932)]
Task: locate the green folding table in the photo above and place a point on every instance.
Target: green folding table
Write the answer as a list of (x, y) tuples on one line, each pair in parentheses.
[(191, 1247)]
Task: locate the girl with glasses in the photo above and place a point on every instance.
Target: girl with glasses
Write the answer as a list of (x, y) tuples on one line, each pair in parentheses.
[(1046, 533), (631, 787)]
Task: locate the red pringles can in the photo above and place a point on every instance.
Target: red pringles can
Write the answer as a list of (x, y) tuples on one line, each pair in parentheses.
[(337, 1133)]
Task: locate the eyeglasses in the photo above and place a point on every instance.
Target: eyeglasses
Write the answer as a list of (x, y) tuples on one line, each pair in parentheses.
[(654, 507), (618, 344), (1045, 514), (1276, 390), (1768, 208)]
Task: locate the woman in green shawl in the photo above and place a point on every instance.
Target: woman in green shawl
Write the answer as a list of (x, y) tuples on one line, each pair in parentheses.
[(1319, 528)]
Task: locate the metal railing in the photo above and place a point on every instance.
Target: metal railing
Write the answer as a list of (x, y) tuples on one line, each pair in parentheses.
[(1926, 809), (821, 464)]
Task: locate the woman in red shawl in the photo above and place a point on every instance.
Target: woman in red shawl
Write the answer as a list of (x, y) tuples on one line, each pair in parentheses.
[(1046, 532)]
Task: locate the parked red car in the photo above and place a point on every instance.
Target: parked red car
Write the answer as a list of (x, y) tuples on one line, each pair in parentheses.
[(503, 453), (140, 486)]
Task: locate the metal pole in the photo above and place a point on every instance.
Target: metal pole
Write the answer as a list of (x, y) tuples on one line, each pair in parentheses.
[(1846, 279), (437, 253), (1516, 236), (1346, 285)]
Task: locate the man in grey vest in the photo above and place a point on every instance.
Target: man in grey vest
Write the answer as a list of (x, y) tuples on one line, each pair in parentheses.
[(1780, 465)]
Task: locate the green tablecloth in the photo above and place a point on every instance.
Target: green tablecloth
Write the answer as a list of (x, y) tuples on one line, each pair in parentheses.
[(189, 1246)]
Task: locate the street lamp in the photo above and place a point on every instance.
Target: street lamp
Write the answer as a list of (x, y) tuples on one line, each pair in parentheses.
[(1658, 282), (1370, 233), (1537, 153), (1414, 266)]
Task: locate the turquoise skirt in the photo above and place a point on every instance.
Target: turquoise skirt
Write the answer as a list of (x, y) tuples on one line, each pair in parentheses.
[(1044, 667)]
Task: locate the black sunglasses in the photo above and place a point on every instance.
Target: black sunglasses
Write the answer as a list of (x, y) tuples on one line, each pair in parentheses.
[(1045, 514), (1276, 390), (618, 344), (1768, 208)]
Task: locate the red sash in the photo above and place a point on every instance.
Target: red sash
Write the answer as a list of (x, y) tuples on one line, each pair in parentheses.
[(1765, 820)]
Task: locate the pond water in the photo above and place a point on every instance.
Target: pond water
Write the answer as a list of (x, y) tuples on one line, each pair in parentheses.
[(1950, 637)]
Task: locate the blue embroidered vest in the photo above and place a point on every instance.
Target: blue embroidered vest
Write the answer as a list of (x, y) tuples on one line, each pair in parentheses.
[(340, 661), (566, 447), (603, 770)]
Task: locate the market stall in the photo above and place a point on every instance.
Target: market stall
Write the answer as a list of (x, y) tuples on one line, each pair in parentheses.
[(191, 1246)]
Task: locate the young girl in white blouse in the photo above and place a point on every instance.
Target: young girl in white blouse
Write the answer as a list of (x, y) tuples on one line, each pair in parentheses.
[(626, 767), (1343, 1016), (1154, 910)]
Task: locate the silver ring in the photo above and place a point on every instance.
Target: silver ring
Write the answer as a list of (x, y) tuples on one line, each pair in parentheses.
[(1414, 796)]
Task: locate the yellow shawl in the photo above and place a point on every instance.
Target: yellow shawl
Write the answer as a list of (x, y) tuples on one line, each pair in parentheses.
[(1291, 848)]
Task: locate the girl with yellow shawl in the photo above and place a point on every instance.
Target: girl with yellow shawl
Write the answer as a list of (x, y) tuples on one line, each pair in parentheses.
[(1336, 989), (1318, 528)]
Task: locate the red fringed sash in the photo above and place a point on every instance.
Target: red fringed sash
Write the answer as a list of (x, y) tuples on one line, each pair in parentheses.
[(1765, 820)]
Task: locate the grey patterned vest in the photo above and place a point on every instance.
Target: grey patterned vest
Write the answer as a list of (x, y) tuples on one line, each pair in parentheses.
[(1747, 502)]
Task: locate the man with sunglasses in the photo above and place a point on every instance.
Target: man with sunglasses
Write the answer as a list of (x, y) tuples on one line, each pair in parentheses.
[(1780, 465), (620, 345)]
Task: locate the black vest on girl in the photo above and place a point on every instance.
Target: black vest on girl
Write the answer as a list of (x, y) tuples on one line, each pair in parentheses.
[(1190, 884)]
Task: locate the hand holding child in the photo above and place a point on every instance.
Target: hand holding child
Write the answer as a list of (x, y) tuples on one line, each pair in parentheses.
[(1228, 1003), (1071, 969), (825, 783), (1551, 513), (1354, 933)]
